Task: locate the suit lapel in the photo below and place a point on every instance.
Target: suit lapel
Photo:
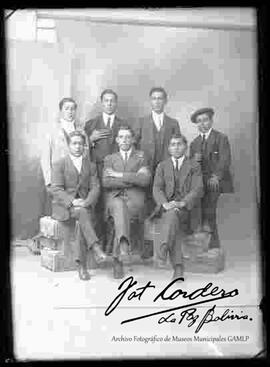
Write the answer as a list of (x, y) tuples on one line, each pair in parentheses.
[(184, 170), (210, 141), (169, 174), (71, 168)]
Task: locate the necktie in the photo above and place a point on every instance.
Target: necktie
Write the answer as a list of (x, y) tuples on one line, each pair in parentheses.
[(203, 143), (109, 123), (126, 157), (176, 165)]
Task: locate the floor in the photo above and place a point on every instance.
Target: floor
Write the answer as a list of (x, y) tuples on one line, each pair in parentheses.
[(57, 316)]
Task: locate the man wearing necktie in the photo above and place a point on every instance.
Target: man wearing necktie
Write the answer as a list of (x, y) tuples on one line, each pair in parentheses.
[(75, 189), (101, 132), (153, 133), (212, 150), (177, 188), (126, 175)]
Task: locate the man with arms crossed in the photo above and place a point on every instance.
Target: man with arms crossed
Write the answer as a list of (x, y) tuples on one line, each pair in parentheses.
[(177, 188), (125, 177), (75, 189)]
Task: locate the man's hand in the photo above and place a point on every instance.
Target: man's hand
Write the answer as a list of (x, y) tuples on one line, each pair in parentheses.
[(170, 205), (180, 204), (99, 134), (78, 202), (198, 157), (213, 183), (111, 173)]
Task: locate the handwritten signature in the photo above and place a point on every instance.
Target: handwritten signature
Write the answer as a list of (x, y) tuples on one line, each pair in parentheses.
[(208, 293)]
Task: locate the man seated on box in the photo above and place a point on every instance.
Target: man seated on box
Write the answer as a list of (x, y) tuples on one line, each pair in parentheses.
[(125, 177), (177, 188), (75, 190)]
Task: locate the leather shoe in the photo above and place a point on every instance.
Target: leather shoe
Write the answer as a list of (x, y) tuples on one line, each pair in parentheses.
[(123, 245), (83, 273), (99, 255), (163, 251), (118, 271), (178, 272)]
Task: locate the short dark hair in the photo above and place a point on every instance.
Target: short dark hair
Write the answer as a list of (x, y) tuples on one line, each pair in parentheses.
[(64, 100), (76, 133), (158, 89), (126, 127), (179, 136), (108, 91)]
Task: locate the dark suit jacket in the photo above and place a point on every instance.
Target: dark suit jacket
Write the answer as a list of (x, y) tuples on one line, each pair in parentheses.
[(145, 139), (102, 147), (191, 184), (217, 158), (136, 177), (67, 183)]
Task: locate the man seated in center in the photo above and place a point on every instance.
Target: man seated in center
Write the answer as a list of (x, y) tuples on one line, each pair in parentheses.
[(125, 177)]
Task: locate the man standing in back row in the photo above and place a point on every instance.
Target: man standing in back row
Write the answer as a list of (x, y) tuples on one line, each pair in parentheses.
[(102, 132), (212, 150), (153, 133)]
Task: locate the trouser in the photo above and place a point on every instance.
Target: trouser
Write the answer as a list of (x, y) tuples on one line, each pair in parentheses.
[(209, 215), (85, 235), (123, 211), (101, 225), (174, 227)]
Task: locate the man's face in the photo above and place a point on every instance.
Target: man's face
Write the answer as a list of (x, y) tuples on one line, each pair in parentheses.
[(124, 139), (109, 103), (68, 111), (204, 122), (76, 146), (158, 102), (177, 148)]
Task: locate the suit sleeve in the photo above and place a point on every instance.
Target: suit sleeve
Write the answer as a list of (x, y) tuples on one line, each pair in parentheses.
[(176, 127), (191, 150), (112, 182), (224, 157), (140, 178), (58, 184), (94, 186), (159, 186), (196, 189), (88, 129), (137, 132), (46, 160)]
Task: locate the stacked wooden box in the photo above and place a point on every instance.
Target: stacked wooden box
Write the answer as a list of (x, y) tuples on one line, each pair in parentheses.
[(56, 254)]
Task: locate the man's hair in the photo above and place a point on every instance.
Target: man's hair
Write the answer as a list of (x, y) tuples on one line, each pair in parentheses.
[(108, 91), (64, 100), (76, 133), (127, 128), (158, 89), (179, 136)]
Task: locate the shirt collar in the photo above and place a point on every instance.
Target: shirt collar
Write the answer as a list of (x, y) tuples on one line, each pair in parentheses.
[(68, 126), (158, 116), (180, 161), (122, 152), (207, 134), (106, 116)]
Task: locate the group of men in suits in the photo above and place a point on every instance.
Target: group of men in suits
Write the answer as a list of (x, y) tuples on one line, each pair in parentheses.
[(133, 172)]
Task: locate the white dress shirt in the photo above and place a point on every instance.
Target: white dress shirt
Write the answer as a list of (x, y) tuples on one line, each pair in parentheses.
[(106, 117), (158, 119), (180, 162), (206, 134), (77, 161), (68, 126), (123, 154)]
